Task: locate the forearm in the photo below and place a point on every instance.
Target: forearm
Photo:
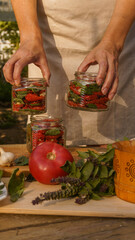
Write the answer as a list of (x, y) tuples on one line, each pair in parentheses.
[(26, 16), (121, 21)]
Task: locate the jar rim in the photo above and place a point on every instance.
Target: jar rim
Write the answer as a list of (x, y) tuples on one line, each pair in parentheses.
[(46, 119), (87, 74), (33, 79)]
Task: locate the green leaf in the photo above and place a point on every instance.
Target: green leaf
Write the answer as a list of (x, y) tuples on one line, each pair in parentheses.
[(16, 185), (95, 171), (15, 196), (93, 154), (83, 192), (103, 172), (126, 139), (94, 182), (1, 174), (78, 173), (87, 171), (53, 132), (21, 161), (2, 186), (18, 100), (73, 169), (83, 155), (89, 187), (108, 156), (111, 172), (67, 166), (95, 196), (91, 105), (80, 163)]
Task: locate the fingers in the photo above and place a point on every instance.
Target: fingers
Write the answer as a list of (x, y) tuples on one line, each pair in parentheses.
[(18, 67), (110, 76), (13, 68), (114, 86), (8, 69), (108, 69), (89, 60), (43, 65)]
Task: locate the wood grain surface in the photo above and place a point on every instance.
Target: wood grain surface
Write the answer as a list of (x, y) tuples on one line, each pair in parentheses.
[(65, 207), (45, 227), (25, 227)]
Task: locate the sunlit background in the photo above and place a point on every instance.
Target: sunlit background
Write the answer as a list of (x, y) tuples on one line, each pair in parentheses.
[(12, 126)]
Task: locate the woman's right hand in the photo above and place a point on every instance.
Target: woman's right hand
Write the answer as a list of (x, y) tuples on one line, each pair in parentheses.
[(30, 51)]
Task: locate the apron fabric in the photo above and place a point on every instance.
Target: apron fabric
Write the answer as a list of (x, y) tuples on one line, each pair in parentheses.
[(70, 30)]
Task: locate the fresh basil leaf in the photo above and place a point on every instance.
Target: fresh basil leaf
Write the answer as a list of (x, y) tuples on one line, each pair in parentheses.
[(95, 171), (83, 192), (103, 171), (89, 187), (93, 154), (78, 173), (108, 156), (15, 196), (95, 196), (83, 155), (21, 161), (86, 171), (16, 185), (80, 163), (52, 132), (94, 183), (111, 172), (73, 170), (67, 166)]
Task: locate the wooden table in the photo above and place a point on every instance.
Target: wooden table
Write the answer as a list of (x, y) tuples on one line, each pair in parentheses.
[(33, 227)]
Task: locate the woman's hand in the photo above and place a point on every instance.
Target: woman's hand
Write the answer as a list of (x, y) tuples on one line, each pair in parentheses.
[(106, 55), (30, 51)]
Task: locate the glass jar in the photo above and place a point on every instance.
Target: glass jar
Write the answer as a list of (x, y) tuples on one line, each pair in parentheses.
[(85, 94), (30, 96), (45, 129)]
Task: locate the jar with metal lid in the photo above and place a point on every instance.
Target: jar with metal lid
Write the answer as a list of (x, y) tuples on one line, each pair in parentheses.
[(85, 94), (30, 96), (45, 128)]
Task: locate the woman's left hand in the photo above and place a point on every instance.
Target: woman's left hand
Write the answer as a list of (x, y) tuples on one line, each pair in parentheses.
[(106, 55)]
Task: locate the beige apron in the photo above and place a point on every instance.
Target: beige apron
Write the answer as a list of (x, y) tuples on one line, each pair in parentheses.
[(71, 28)]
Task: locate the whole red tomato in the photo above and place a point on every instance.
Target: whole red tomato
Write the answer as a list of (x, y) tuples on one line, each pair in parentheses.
[(46, 159)]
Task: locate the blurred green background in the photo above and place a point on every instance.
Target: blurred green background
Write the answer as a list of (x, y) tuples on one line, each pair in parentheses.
[(12, 126)]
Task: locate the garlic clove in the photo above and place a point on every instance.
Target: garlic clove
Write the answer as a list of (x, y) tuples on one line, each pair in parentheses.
[(6, 158)]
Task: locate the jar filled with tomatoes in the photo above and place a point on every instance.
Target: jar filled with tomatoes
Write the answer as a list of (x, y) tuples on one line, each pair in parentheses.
[(85, 94), (30, 96), (44, 128)]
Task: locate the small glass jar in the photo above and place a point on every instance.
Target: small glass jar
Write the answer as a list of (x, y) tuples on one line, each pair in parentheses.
[(45, 129), (85, 94), (30, 96)]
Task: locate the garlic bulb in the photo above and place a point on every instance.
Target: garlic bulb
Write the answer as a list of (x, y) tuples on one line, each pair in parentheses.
[(6, 158)]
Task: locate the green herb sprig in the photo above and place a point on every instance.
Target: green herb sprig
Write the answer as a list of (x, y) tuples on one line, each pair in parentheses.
[(92, 177)]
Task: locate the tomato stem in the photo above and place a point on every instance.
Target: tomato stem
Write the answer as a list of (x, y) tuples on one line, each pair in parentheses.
[(51, 156)]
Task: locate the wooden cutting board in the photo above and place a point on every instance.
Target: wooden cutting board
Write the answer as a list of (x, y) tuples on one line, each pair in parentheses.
[(21, 150), (107, 207)]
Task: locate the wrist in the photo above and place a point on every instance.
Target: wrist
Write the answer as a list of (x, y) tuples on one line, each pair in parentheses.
[(31, 36)]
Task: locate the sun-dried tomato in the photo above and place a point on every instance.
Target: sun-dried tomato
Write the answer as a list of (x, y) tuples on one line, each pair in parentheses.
[(33, 97), (75, 89), (101, 106)]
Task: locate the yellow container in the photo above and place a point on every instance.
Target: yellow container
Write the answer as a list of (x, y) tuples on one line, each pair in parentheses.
[(124, 165)]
